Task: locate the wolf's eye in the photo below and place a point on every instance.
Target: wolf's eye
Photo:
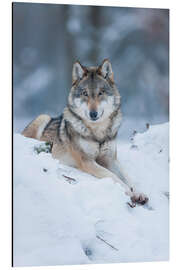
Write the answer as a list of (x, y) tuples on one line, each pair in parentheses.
[(84, 93), (101, 93)]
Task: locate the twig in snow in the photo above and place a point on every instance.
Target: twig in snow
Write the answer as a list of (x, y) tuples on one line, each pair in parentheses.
[(97, 236), (133, 135), (147, 125), (69, 179), (133, 146), (132, 205)]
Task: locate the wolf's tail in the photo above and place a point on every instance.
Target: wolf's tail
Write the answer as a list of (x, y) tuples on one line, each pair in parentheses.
[(43, 128)]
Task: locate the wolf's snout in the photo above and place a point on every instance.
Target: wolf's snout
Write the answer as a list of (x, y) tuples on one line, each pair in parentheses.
[(93, 115)]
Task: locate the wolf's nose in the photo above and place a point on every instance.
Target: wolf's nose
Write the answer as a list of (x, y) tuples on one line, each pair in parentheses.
[(93, 115)]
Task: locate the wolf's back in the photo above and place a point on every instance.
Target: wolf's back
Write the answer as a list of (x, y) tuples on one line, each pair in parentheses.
[(43, 128)]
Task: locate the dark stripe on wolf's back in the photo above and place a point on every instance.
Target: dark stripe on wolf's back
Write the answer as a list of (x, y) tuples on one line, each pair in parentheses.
[(53, 126), (66, 129)]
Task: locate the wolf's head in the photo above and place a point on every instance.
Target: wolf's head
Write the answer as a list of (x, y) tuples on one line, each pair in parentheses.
[(93, 96)]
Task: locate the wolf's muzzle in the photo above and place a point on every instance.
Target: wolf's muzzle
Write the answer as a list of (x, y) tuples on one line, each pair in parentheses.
[(93, 115)]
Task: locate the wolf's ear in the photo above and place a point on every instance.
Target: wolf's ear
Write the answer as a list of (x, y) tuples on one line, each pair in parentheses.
[(78, 72), (105, 70)]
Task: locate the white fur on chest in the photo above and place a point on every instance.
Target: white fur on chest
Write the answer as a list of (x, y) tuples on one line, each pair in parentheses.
[(94, 149), (89, 147), (99, 130)]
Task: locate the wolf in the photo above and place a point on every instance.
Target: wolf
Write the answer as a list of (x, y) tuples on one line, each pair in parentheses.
[(84, 136)]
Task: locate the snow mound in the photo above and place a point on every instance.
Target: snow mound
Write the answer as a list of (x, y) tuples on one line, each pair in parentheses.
[(64, 216)]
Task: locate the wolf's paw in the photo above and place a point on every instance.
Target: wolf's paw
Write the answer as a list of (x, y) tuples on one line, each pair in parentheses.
[(139, 198)]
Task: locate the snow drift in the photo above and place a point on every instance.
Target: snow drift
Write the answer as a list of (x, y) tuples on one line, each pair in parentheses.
[(64, 216)]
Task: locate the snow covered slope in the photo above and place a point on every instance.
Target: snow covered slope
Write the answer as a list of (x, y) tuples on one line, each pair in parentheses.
[(59, 220)]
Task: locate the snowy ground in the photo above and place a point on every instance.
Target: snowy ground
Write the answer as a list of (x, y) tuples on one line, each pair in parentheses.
[(58, 221)]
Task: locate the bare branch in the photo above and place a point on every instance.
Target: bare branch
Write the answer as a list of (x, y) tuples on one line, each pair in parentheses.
[(69, 179), (97, 236), (132, 205)]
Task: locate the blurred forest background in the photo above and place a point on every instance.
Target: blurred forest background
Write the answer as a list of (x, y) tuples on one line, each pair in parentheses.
[(48, 38)]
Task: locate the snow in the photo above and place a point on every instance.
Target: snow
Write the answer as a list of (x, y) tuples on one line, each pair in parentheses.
[(60, 221)]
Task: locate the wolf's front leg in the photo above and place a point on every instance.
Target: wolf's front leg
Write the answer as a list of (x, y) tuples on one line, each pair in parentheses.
[(93, 168), (136, 197)]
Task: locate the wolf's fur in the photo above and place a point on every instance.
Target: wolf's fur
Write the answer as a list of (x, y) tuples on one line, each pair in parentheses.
[(84, 135)]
